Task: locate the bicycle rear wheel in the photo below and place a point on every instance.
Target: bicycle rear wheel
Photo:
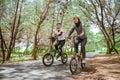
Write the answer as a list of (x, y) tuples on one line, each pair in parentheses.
[(48, 59), (73, 65), (82, 65), (64, 58)]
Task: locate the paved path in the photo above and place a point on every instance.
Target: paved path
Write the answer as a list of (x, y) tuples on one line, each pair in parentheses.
[(35, 70)]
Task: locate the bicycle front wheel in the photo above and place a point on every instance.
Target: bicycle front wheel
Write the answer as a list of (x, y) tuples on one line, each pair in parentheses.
[(64, 58), (48, 59), (73, 65)]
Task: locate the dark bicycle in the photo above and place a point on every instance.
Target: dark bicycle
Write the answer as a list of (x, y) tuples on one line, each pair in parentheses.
[(76, 61), (48, 58)]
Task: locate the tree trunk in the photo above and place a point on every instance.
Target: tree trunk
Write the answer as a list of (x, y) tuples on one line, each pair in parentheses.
[(2, 45), (14, 31), (42, 18), (27, 42), (108, 47), (35, 44), (62, 18)]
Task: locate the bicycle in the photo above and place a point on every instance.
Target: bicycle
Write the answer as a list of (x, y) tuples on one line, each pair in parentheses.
[(48, 58), (76, 61)]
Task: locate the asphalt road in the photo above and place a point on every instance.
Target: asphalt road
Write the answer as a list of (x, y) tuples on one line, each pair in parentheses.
[(35, 70)]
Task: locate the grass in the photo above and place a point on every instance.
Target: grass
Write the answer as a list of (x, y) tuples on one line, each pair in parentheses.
[(18, 56)]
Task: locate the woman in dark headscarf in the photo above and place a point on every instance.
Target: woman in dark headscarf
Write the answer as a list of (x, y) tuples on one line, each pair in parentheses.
[(81, 36)]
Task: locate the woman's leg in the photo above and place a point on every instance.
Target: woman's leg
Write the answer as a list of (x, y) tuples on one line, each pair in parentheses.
[(83, 44), (76, 44)]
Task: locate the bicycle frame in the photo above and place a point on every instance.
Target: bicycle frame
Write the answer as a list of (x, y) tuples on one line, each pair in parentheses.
[(51, 50)]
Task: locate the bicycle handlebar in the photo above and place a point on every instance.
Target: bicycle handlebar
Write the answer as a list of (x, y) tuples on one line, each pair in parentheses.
[(73, 36)]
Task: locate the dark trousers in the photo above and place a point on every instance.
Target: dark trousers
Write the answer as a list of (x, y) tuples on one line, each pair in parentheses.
[(83, 44), (59, 45)]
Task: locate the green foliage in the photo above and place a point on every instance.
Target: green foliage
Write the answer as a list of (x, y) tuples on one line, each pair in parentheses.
[(29, 20), (95, 41), (45, 50)]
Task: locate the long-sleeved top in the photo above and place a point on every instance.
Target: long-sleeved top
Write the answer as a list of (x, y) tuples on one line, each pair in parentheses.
[(79, 30)]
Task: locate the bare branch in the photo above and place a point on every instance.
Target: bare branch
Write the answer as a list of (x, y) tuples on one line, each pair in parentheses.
[(96, 12)]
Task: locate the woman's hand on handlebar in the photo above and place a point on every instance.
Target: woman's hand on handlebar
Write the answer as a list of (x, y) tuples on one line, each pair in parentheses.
[(68, 37)]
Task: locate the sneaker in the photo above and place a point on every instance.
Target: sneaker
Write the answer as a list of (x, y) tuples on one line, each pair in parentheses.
[(58, 59), (84, 61)]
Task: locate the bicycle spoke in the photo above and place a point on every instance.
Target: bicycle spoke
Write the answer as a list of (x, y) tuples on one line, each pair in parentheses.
[(47, 59)]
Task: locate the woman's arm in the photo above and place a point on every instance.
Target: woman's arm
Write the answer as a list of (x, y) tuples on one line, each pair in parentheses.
[(71, 31)]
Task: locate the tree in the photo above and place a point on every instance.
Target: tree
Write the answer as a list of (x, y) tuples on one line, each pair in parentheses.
[(105, 14), (2, 41), (41, 19), (14, 25), (53, 9)]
